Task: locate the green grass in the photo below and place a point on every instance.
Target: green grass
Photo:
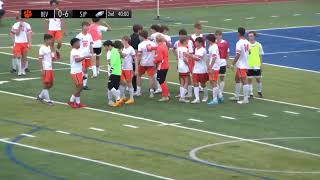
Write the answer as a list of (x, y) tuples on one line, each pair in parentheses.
[(164, 150)]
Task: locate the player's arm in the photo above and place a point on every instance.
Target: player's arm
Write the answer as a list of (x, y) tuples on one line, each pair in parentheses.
[(159, 56), (46, 25), (29, 37), (107, 25), (41, 59), (64, 27), (78, 58), (214, 58), (261, 53), (185, 60), (238, 52)]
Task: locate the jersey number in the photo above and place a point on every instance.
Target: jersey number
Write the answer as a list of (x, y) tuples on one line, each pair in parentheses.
[(84, 43), (246, 47)]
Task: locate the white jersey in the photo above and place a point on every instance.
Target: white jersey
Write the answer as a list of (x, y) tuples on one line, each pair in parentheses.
[(1, 5), (85, 43), (147, 57), (76, 67), (98, 43), (168, 39), (45, 53), (243, 48), (128, 53), (194, 36), (190, 46), (154, 35), (200, 67), (24, 28), (214, 53), (182, 66), (54, 24)]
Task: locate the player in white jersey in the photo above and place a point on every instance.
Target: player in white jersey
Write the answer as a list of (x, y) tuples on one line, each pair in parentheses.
[(76, 72), (108, 45), (22, 43), (145, 63), (197, 33), (183, 34), (127, 71), (86, 49), (200, 71), (241, 63), (45, 57), (164, 30), (214, 69)]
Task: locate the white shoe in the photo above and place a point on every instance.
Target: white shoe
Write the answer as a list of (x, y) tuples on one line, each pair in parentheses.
[(205, 99), (234, 98), (183, 100), (177, 96), (137, 94), (196, 101), (110, 103), (243, 102), (158, 91), (151, 95)]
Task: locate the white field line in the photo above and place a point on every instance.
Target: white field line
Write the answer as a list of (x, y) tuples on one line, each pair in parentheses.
[(25, 79), (227, 117), (250, 18), (62, 132), (260, 115), (174, 125), (130, 126), (286, 67), (296, 14), (195, 120), (291, 112), (274, 16), (84, 159), (168, 124), (96, 129), (58, 69), (28, 135), (227, 20), (289, 52)]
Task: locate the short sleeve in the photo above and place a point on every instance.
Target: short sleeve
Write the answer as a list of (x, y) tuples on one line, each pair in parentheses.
[(102, 28), (15, 26), (133, 52), (41, 52), (261, 49), (238, 48)]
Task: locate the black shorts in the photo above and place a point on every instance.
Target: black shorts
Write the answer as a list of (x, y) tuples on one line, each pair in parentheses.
[(252, 73), (161, 75), (2, 12), (223, 70), (97, 51), (114, 82)]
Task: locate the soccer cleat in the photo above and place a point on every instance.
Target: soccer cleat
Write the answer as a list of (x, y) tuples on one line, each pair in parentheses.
[(86, 88), (27, 70), (260, 95), (213, 102), (130, 101), (19, 74), (123, 100), (117, 104), (40, 99), (24, 73), (110, 103), (183, 100), (205, 99), (158, 91), (234, 98), (251, 96), (177, 96), (137, 93), (151, 95), (50, 103), (243, 102), (196, 101), (72, 104), (13, 71), (81, 105), (164, 99), (220, 99)]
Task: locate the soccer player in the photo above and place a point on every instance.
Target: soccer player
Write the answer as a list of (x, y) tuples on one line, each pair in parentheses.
[(197, 33), (45, 58), (86, 49), (164, 29), (183, 68), (22, 42), (145, 63), (155, 31), (255, 62), (76, 72), (108, 46), (134, 42), (200, 71), (224, 56), (214, 69), (241, 63), (183, 34), (114, 78), (96, 31), (127, 70), (55, 29), (162, 62), (2, 11)]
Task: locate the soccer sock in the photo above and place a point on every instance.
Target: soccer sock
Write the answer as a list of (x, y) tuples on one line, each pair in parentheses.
[(46, 94), (190, 91), (250, 89), (85, 79), (72, 98), (14, 63), (246, 92), (122, 91), (19, 66), (205, 92), (215, 92), (26, 64), (98, 70), (109, 95), (182, 93), (259, 87), (116, 93), (134, 83), (165, 89), (138, 89), (196, 92), (94, 70), (151, 91), (41, 94), (78, 100), (237, 89), (131, 91), (221, 88)]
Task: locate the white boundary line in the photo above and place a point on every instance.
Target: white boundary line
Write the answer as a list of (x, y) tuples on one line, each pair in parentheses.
[(96, 129), (130, 126), (62, 132), (291, 112), (195, 120), (260, 115), (227, 117), (84, 159), (28, 135)]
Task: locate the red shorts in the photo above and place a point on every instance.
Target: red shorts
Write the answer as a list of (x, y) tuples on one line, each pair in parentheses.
[(57, 35), (47, 76), (200, 78), (149, 69), (241, 73), (86, 63), (77, 79), (191, 64), (213, 76), (126, 75), (20, 48), (184, 75)]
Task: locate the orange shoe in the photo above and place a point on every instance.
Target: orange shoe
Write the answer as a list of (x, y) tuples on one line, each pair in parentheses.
[(130, 101), (117, 104), (123, 100)]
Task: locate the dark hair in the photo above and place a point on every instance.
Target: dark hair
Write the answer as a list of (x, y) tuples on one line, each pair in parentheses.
[(73, 41), (53, 1), (183, 39), (199, 40), (107, 43), (126, 38), (137, 27), (211, 38), (183, 32), (144, 34), (95, 19), (155, 27), (118, 44), (85, 23), (253, 32), (241, 31), (218, 32), (197, 25), (164, 28), (47, 37)]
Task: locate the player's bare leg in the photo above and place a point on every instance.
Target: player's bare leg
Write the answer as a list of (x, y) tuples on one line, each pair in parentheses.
[(59, 45), (131, 92), (196, 90), (94, 66), (44, 94), (221, 85), (237, 89), (122, 88), (215, 93), (152, 86), (98, 65), (184, 82), (85, 79), (246, 91), (250, 87), (139, 84)]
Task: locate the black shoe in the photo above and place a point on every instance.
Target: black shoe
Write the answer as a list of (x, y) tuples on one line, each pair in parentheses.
[(27, 70), (260, 95), (86, 88), (251, 96), (40, 99), (50, 103), (13, 71)]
